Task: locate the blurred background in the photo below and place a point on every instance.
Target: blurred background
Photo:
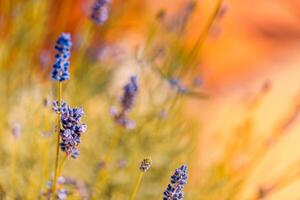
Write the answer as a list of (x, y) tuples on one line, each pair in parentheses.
[(235, 123)]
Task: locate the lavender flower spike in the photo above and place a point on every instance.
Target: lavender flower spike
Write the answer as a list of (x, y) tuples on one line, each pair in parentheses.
[(178, 180), (100, 11), (72, 128), (129, 93), (145, 164), (60, 70), (127, 101)]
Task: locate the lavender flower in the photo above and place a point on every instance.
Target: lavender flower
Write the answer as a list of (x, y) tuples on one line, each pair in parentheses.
[(145, 164), (181, 19), (72, 128), (127, 101), (46, 102), (60, 70), (61, 193), (175, 83), (16, 130), (129, 93), (100, 11), (63, 108), (178, 180)]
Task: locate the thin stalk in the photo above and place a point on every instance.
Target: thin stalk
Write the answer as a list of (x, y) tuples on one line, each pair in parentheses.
[(88, 34), (61, 166), (66, 8), (196, 49), (282, 183), (288, 177), (13, 168), (275, 137), (59, 98), (137, 185), (276, 134), (103, 174), (205, 32), (113, 144)]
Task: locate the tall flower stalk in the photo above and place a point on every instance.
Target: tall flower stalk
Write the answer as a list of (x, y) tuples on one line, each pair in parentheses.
[(70, 132), (60, 73), (203, 35), (145, 165), (59, 99)]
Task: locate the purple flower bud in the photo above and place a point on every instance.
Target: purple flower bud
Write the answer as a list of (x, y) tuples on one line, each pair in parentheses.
[(145, 164), (178, 180), (60, 70), (100, 11)]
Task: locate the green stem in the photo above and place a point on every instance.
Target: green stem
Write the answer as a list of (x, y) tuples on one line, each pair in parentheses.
[(102, 174), (136, 187), (56, 169), (205, 32), (61, 166), (196, 49)]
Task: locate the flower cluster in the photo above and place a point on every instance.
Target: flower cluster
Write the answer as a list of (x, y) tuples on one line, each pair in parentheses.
[(145, 164), (60, 70), (127, 101), (178, 180), (72, 128), (61, 193), (100, 11), (129, 93)]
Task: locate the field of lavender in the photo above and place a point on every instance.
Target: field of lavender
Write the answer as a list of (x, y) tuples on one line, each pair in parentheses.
[(93, 106)]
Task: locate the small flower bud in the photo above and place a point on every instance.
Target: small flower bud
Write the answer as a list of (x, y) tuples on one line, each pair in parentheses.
[(145, 164)]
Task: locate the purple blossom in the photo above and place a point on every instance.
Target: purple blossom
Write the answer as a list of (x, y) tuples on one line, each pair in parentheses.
[(60, 70), (145, 164), (72, 128), (16, 130), (61, 193), (178, 180), (127, 101), (100, 11), (129, 92)]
